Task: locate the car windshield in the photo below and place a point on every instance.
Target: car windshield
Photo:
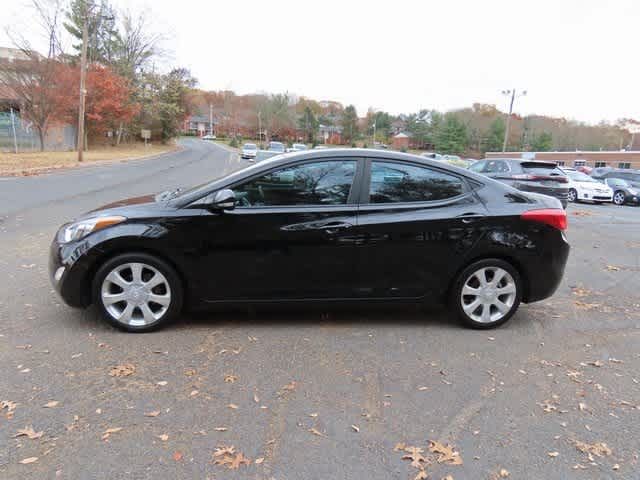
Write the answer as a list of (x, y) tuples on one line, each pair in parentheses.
[(539, 168), (276, 146), (250, 146), (581, 177)]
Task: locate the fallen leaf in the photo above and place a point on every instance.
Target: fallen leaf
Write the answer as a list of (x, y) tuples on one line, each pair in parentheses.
[(26, 461), (582, 406), (258, 461), (422, 389), (316, 432), (598, 449), (596, 363), (162, 383), (28, 432), (9, 406), (256, 398), (448, 477), (107, 433), (190, 372), (415, 455), (155, 413), (446, 453), (122, 370), (51, 404), (399, 447), (177, 456), (193, 393), (233, 406), (221, 429), (313, 415), (553, 454), (355, 428), (227, 457), (164, 437), (613, 268), (421, 475), (504, 473), (230, 378), (289, 386)]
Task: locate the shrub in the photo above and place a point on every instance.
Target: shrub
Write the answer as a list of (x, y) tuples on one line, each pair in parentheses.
[(233, 142)]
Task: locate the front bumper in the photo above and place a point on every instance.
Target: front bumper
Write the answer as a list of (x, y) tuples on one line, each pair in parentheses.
[(595, 196), (68, 276)]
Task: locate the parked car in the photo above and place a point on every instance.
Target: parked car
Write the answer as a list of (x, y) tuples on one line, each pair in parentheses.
[(297, 147), (526, 175), (631, 176), (262, 155), (317, 226), (209, 137), (249, 151), (320, 147), (277, 147), (623, 191), (582, 187)]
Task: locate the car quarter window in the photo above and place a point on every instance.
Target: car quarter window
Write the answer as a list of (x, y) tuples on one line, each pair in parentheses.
[(477, 167), (393, 182), (315, 183), (496, 166)]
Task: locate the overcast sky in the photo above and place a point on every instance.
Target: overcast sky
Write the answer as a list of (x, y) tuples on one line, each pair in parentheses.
[(576, 58)]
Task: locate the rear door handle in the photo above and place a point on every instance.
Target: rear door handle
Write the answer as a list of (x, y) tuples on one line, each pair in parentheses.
[(471, 217)]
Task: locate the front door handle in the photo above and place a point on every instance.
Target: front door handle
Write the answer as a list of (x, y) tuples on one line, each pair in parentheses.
[(334, 227)]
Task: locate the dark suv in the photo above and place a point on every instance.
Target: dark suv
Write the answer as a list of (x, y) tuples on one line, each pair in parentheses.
[(526, 175)]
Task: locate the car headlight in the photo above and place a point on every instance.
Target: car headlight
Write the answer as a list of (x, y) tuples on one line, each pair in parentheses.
[(78, 230), (633, 191)]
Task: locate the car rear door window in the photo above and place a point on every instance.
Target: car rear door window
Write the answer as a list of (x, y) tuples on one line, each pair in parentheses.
[(317, 183), (496, 166), (393, 182)]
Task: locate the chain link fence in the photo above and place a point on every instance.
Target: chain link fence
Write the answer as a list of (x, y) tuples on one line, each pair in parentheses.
[(16, 132)]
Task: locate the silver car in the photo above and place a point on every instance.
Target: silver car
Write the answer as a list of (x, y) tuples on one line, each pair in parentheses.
[(249, 151)]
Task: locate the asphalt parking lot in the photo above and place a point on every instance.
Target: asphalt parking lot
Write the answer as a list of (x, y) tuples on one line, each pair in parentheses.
[(320, 394)]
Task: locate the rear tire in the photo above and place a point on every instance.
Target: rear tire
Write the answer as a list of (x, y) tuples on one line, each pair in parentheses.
[(137, 292), (486, 294)]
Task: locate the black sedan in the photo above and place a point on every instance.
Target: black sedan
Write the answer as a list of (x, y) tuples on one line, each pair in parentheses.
[(623, 191), (330, 226), (526, 175)]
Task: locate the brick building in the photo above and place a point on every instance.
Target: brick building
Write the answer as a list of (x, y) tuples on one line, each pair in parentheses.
[(615, 159)]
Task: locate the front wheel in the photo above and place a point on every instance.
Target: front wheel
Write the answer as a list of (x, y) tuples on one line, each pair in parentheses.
[(137, 292), (572, 195), (486, 294), (618, 198)]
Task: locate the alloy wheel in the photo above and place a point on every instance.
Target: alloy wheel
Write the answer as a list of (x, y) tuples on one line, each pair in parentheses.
[(135, 294), (618, 198), (488, 294), (572, 195)]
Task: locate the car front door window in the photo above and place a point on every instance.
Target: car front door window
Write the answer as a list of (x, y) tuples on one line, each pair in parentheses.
[(316, 183)]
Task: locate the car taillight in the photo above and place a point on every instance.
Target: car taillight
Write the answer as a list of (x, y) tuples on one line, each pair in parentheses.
[(554, 217)]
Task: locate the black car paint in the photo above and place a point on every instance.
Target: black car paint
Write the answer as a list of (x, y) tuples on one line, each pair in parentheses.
[(356, 251)]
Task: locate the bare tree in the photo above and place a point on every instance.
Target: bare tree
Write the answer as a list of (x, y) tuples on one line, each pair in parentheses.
[(136, 44), (31, 79)]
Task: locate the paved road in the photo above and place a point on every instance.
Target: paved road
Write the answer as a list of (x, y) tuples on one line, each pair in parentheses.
[(561, 371)]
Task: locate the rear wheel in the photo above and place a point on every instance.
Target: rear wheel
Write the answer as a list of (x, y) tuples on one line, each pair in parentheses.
[(487, 293), (572, 195), (618, 198), (137, 292)]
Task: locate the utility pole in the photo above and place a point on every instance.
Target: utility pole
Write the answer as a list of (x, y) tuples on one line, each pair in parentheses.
[(260, 127), (83, 78), (513, 94), (373, 145)]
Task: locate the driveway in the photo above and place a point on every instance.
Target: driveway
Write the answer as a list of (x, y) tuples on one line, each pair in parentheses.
[(319, 394)]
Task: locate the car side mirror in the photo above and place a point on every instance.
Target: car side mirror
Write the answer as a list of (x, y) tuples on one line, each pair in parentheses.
[(224, 200)]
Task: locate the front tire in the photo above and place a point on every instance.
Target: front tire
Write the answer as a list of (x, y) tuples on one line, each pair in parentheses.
[(572, 195), (486, 294), (618, 197), (137, 292)]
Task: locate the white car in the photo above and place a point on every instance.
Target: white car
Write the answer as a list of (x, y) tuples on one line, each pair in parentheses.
[(209, 137), (297, 147), (249, 151), (584, 188)]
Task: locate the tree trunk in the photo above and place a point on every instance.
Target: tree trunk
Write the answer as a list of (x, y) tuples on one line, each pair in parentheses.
[(119, 134), (41, 136)]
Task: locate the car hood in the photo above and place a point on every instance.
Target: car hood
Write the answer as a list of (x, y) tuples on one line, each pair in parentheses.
[(135, 207)]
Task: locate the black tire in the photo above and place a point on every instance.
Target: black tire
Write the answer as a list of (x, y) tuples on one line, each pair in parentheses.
[(456, 299), (572, 195), (174, 282), (620, 197)]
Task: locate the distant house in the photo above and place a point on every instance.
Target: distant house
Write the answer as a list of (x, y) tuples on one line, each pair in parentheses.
[(400, 141), (331, 134), (198, 125)]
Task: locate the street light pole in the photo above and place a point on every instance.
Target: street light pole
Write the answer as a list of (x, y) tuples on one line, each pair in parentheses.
[(513, 94), (83, 91)]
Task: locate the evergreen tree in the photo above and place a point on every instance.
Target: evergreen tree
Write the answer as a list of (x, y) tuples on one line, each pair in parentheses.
[(349, 124), (451, 136)]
